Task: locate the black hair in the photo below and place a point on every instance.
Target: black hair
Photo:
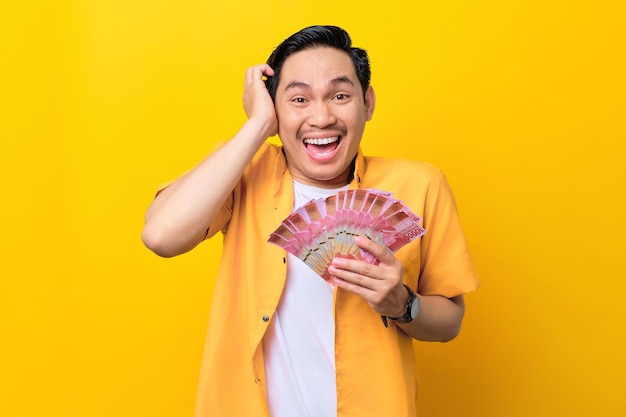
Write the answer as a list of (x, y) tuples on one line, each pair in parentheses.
[(318, 36)]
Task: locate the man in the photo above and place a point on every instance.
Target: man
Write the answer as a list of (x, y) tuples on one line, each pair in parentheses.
[(281, 341)]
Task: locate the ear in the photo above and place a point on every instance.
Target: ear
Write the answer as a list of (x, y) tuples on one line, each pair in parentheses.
[(370, 102)]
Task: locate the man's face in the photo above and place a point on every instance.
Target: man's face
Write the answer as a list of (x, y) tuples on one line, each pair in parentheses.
[(321, 115)]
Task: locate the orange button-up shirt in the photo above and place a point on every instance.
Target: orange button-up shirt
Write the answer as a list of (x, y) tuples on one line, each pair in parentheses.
[(376, 374)]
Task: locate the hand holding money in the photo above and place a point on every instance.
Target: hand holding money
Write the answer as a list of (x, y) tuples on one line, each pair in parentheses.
[(326, 228), (380, 285)]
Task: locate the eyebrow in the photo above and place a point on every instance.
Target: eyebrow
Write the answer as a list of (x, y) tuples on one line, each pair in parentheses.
[(301, 84), (341, 80)]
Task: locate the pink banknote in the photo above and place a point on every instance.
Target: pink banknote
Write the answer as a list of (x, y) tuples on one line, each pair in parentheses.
[(325, 228)]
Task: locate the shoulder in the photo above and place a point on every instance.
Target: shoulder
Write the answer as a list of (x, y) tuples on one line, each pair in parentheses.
[(265, 158), (418, 184), (399, 164), (402, 171), (267, 151)]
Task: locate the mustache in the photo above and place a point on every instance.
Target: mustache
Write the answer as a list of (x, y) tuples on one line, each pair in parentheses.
[(332, 130)]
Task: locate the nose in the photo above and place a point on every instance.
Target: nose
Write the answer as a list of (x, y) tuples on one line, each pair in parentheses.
[(322, 114)]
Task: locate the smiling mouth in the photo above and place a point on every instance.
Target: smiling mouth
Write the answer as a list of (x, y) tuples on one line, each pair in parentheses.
[(322, 146), (321, 141)]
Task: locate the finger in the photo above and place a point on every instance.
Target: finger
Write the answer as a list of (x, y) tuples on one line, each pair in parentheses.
[(355, 270), (263, 69), (351, 287), (257, 72), (382, 253), (350, 279), (267, 70)]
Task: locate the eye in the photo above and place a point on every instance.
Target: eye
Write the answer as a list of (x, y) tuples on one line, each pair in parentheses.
[(299, 100), (341, 96)]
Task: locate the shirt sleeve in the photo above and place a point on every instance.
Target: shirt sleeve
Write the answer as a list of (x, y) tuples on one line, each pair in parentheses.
[(447, 267)]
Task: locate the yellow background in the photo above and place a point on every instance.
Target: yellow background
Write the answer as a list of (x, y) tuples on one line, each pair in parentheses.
[(521, 103)]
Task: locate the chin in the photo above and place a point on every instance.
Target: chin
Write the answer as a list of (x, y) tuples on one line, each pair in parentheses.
[(330, 178)]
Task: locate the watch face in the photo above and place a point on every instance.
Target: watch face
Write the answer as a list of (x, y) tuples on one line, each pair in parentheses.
[(415, 307)]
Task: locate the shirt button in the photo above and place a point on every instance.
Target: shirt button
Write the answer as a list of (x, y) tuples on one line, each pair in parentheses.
[(284, 260), (266, 318), (257, 380)]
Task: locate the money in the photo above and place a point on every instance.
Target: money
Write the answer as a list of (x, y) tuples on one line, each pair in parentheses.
[(325, 228)]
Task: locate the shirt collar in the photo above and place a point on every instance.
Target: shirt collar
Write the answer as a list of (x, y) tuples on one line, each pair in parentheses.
[(359, 170), (283, 183)]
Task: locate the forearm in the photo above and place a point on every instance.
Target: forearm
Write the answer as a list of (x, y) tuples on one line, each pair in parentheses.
[(178, 218), (439, 319)]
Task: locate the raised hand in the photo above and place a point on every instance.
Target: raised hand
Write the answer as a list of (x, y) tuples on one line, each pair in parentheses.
[(256, 99)]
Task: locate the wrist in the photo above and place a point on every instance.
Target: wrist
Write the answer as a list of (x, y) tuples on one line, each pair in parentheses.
[(401, 306), (411, 309), (265, 127)]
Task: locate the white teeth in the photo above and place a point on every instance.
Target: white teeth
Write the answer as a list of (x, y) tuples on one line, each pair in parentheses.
[(321, 141)]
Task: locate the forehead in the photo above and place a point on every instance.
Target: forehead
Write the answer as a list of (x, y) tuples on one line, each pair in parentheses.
[(317, 65)]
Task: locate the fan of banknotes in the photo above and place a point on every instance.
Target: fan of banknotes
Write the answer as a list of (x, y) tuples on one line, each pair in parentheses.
[(325, 228)]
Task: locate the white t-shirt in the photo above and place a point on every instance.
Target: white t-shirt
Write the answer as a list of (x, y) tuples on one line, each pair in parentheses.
[(299, 346)]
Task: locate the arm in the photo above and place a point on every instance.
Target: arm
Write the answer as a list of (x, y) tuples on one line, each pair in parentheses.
[(381, 286), (178, 218), (439, 319)]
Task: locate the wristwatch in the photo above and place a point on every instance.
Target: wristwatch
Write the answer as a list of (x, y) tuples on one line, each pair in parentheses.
[(412, 309)]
